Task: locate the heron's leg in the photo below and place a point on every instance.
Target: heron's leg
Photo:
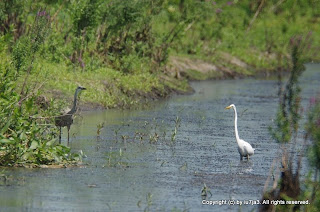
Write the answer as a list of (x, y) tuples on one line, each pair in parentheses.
[(240, 157), (60, 135), (68, 133), (247, 157)]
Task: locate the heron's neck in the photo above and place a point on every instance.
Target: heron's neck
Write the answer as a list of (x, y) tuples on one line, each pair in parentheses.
[(74, 107), (236, 124)]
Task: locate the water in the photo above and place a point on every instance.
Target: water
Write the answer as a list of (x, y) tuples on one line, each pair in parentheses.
[(123, 173)]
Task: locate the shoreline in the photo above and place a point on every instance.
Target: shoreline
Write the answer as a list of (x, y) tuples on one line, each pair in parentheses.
[(190, 75)]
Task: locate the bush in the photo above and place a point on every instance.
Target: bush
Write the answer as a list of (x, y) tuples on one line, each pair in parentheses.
[(22, 138)]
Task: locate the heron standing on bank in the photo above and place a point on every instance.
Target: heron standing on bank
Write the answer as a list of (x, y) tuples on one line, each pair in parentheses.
[(67, 119)]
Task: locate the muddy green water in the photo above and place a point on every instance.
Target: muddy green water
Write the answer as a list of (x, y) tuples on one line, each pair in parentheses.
[(127, 170)]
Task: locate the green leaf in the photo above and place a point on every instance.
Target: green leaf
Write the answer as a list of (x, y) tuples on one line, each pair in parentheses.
[(6, 141), (5, 128), (23, 136), (27, 155), (34, 145), (50, 143)]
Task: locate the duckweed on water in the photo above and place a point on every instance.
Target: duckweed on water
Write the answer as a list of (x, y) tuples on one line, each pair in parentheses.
[(175, 131), (148, 202), (117, 159), (100, 126), (205, 192), (154, 132)]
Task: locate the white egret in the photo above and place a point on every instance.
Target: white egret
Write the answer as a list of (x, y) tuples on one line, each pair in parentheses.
[(244, 148)]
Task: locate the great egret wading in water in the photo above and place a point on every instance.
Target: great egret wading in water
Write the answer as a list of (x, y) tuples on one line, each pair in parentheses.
[(244, 148), (67, 119)]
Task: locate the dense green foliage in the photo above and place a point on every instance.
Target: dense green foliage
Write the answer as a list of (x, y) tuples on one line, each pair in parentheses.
[(22, 139), (113, 46)]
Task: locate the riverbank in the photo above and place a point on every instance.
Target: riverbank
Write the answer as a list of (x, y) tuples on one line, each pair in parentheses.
[(107, 88)]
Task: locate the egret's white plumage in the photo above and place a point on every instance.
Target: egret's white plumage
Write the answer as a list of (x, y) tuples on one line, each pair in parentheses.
[(244, 148)]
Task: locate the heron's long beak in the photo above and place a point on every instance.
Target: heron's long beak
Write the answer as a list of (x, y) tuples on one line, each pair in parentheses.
[(227, 108)]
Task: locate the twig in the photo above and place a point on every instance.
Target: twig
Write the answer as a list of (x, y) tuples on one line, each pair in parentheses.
[(26, 79), (255, 15), (189, 26), (269, 176), (272, 9), (32, 93), (49, 117), (55, 15)]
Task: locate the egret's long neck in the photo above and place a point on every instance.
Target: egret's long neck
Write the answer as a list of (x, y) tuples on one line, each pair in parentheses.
[(236, 123), (74, 107)]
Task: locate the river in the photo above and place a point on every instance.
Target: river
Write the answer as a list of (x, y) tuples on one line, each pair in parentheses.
[(160, 157)]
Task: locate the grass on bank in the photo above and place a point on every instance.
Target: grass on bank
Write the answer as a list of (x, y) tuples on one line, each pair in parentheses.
[(106, 87)]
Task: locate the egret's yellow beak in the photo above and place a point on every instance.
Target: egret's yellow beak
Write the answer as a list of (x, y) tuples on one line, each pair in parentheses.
[(227, 108)]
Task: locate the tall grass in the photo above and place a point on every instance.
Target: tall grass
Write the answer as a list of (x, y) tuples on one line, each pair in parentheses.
[(286, 131)]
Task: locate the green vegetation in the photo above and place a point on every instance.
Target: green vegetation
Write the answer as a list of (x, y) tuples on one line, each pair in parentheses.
[(286, 130), (23, 141), (313, 131), (122, 50)]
